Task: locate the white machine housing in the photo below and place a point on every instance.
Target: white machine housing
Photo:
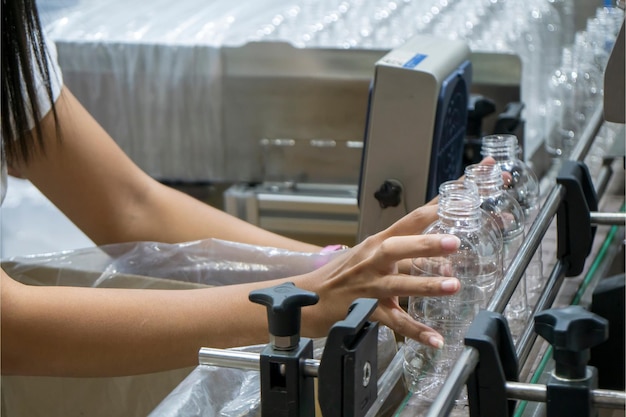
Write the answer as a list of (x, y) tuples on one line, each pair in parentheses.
[(415, 129)]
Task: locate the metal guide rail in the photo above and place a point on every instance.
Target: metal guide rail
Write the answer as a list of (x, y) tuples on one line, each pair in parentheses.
[(574, 202), (488, 365)]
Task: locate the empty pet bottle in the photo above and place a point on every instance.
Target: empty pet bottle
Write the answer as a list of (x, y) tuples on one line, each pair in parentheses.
[(476, 264), (490, 225), (509, 217), (521, 182)]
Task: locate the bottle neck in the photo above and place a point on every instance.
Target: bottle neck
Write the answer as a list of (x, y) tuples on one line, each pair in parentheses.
[(500, 147), (460, 210), (487, 178)]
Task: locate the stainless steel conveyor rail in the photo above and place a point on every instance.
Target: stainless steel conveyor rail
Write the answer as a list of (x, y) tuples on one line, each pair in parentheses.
[(467, 361)]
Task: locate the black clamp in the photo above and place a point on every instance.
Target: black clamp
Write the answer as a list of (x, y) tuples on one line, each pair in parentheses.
[(486, 388), (510, 119), (572, 331), (285, 389), (348, 376), (575, 232), (478, 108)]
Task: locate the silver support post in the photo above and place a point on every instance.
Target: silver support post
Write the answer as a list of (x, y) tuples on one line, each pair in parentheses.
[(245, 360), (539, 393), (608, 219), (229, 359)]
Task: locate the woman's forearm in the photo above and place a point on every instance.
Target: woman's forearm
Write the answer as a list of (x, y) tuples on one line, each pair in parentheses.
[(110, 332)]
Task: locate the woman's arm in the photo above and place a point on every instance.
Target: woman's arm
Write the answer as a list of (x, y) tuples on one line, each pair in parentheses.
[(104, 332), (88, 177)]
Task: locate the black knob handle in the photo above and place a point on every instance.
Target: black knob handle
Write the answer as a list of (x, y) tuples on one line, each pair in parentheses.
[(571, 331), (389, 194), (283, 303), (510, 119), (478, 108)]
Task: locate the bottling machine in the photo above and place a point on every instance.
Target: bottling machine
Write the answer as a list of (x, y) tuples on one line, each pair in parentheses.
[(306, 143)]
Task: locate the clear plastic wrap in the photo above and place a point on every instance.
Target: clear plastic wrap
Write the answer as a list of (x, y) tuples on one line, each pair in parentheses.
[(151, 265), (206, 391)]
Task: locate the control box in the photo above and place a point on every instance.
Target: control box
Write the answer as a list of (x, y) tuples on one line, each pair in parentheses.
[(414, 137)]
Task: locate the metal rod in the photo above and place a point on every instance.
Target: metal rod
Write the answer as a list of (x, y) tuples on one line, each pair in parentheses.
[(526, 392), (539, 393), (609, 398), (458, 375), (246, 360), (588, 135), (611, 219), (229, 359), (546, 298)]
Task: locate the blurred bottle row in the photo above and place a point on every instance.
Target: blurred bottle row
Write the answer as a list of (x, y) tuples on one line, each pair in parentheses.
[(561, 68)]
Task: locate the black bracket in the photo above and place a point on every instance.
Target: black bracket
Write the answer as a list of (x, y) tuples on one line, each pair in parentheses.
[(489, 333), (509, 120), (348, 375), (574, 230)]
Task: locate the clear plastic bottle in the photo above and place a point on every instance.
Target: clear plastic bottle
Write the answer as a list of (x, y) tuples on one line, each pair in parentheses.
[(568, 91), (510, 218), (492, 228), (476, 264), (522, 184)]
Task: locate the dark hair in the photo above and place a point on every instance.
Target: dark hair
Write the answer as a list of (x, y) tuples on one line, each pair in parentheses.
[(24, 57)]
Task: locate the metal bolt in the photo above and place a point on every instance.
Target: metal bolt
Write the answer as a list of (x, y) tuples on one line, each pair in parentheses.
[(367, 374)]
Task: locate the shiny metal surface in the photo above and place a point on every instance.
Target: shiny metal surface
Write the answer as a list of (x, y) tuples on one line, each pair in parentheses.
[(538, 392), (245, 360), (608, 218)]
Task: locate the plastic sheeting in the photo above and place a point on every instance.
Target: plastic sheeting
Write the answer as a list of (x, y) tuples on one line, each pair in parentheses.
[(187, 265), (155, 265)]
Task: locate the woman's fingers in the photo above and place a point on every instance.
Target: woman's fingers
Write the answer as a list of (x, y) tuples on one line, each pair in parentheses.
[(408, 285), (397, 248), (403, 324)]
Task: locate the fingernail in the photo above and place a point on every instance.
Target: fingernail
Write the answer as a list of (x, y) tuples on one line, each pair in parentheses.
[(435, 342), (450, 242), (450, 285)]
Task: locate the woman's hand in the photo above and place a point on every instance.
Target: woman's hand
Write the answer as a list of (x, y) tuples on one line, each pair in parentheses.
[(370, 270)]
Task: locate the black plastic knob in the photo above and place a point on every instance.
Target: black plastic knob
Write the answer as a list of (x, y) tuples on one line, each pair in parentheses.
[(571, 331), (389, 194), (284, 303), (478, 108)]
